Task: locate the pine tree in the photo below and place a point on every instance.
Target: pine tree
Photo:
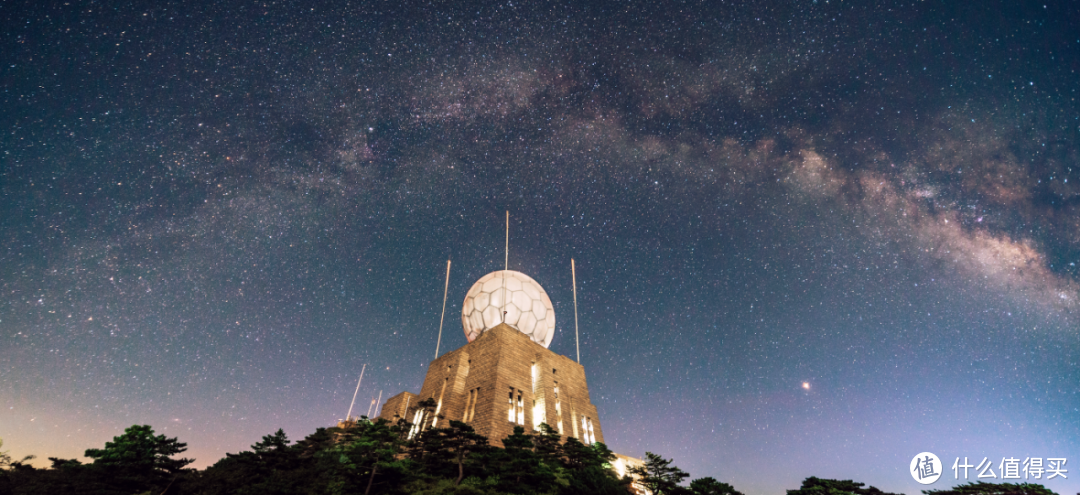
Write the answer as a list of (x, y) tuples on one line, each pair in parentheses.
[(140, 450), (659, 476), (709, 486), (461, 439)]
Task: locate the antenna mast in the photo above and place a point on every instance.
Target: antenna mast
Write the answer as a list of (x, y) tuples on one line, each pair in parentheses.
[(577, 339), (506, 266), (374, 405), (348, 416), (445, 289)]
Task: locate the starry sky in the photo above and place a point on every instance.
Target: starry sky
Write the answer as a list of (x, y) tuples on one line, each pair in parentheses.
[(215, 213)]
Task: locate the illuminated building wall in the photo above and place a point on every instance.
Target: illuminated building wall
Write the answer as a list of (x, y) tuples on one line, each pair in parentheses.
[(500, 380)]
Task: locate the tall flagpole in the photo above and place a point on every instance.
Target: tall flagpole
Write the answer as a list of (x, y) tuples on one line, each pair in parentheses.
[(506, 266), (446, 288), (347, 416), (577, 339)]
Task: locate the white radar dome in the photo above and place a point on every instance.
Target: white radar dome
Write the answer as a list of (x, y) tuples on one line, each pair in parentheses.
[(508, 297)]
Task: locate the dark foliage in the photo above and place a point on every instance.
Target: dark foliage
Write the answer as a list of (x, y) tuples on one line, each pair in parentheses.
[(371, 457), (659, 476), (139, 450), (818, 486), (709, 486), (981, 488), (136, 462)]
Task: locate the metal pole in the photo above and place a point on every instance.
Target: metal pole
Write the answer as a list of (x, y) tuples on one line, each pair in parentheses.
[(577, 339), (445, 289), (506, 266), (347, 416)]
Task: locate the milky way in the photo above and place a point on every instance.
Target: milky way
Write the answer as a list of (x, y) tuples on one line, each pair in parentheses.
[(811, 238)]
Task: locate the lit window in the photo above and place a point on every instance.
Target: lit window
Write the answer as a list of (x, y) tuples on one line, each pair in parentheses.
[(535, 377), (539, 408), (439, 407), (470, 405), (558, 409), (539, 414), (510, 409), (520, 410), (588, 436), (417, 422)]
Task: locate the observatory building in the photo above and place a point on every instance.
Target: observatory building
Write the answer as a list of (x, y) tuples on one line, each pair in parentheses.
[(505, 376)]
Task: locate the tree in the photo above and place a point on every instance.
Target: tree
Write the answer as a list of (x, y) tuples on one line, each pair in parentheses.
[(370, 446), (588, 469), (818, 486), (58, 463), (272, 443), (316, 442), (518, 442), (140, 450), (709, 486), (576, 455), (659, 476), (546, 444), (981, 488), (461, 439), (272, 467), (596, 481), (418, 441), (516, 468), (7, 463)]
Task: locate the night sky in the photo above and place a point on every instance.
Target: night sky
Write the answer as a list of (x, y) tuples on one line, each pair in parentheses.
[(812, 238)]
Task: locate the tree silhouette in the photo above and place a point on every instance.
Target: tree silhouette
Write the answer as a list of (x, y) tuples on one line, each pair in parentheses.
[(981, 488), (58, 463), (272, 443), (546, 444), (461, 440), (139, 449), (518, 468), (818, 486), (709, 486), (7, 463), (659, 476)]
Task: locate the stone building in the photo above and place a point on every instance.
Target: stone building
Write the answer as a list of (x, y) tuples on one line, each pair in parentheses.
[(506, 376), (500, 380)]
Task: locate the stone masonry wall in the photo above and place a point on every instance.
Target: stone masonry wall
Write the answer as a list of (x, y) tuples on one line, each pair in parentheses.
[(395, 406), (476, 380)]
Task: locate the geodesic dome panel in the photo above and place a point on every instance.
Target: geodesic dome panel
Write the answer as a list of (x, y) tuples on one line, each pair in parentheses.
[(508, 297)]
